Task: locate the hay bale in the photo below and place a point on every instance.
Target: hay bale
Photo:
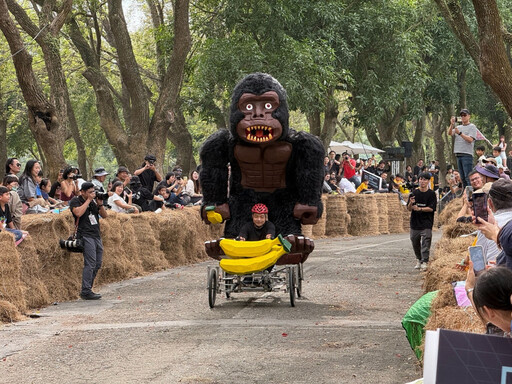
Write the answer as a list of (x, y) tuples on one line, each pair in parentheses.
[(395, 219), (382, 208), (336, 214), (9, 312), (455, 318), (449, 213), (363, 215), (454, 230), (12, 289), (406, 218), (441, 270), (319, 227), (307, 230)]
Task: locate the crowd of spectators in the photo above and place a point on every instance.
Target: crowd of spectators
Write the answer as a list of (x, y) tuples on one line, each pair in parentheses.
[(28, 192)]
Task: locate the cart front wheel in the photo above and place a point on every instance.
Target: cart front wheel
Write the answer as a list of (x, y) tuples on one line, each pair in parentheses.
[(300, 277), (291, 285), (212, 287)]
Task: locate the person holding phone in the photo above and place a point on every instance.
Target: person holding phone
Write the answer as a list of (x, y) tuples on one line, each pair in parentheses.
[(463, 146), (422, 205)]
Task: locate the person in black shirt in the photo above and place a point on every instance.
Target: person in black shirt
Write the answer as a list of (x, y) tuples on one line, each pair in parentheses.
[(422, 205), (259, 228), (86, 209), (5, 217), (148, 173)]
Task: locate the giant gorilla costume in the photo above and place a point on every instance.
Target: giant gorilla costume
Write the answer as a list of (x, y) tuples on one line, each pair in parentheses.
[(269, 163)]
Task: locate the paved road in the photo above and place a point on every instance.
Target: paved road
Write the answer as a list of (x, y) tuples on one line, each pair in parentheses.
[(159, 329)]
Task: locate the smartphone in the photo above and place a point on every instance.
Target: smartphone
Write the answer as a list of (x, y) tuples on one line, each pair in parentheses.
[(469, 192), (476, 254), (480, 205)]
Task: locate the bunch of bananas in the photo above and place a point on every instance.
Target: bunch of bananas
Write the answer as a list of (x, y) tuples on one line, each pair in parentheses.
[(247, 257)]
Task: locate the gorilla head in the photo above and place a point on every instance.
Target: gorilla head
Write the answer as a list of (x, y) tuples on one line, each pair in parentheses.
[(259, 111)]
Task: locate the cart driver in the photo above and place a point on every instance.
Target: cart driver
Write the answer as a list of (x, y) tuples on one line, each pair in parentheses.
[(260, 228)]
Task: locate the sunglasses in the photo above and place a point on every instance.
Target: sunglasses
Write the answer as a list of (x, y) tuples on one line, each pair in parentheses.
[(17, 165), (463, 114)]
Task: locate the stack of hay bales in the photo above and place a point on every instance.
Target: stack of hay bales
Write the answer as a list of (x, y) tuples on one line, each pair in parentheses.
[(382, 207), (38, 272), (363, 215), (396, 218), (406, 218), (319, 228), (336, 215), (450, 211)]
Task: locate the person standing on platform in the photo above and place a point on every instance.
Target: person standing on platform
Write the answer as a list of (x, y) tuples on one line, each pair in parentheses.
[(463, 146)]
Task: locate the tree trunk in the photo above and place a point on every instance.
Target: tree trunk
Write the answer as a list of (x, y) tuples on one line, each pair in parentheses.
[(315, 123), (44, 120), (182, 140), (438, 127), (418, 151), (330, 119), (3, 144), (388, 126)]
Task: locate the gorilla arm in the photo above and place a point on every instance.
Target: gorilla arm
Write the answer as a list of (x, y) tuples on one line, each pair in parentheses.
[(308, 155), (213, 177)]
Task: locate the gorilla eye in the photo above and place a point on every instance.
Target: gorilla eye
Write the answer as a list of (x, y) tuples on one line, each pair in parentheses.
[(249, 107), (268, 106)]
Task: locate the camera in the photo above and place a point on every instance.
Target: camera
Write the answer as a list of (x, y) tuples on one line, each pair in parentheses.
[(68, 244), (346, 157), (459, 120), (151, 162), (101, 194)]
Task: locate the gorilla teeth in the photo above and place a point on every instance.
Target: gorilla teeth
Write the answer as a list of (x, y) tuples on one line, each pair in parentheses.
[(259, 133)]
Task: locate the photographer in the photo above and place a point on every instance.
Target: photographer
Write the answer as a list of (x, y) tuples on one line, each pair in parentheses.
[(173, 187), (349, 169), (148, 173), (86, 209), (69, 184)]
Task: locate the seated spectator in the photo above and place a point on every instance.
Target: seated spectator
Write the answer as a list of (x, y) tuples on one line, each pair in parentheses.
[(148, 173), (51, 202), (117, 203), (346, 186), (491, 296), (480, 152), (326, 186), (123, 174), (363, 187), (27, 189), (69, 184), (193, 189), (159, 203), (490, 160), (476, 182), (503, 174), (55, 191), (12, 166), (333, 182), (98, 178), (174, 189), (141, 196), (384, 185), (6, 219), (15, 204), (408, 174)]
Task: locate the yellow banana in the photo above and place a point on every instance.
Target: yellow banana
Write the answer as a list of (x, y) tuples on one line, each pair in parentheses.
[(214, 217), (241, 249), (253, 264)]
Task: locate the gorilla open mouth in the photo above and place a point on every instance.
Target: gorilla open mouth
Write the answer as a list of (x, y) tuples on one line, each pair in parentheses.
[(259, 133)]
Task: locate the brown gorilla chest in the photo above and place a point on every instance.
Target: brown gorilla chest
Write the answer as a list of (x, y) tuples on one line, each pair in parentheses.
[(263, 168)]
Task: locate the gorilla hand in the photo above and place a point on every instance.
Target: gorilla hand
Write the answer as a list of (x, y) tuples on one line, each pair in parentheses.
[(301, 244), (222, 209), (307, 214), (213, 249)]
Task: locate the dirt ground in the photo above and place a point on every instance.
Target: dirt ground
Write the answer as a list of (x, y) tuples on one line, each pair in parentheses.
[(159, 329)]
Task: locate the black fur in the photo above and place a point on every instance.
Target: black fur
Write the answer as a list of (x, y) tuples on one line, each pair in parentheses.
[(304, 173)]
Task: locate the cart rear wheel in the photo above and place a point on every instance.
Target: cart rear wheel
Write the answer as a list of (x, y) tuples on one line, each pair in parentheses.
[(300, 277), (291, 285), (212, 287)]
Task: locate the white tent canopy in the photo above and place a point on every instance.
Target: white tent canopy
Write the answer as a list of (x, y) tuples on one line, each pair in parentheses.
[(353, 148)]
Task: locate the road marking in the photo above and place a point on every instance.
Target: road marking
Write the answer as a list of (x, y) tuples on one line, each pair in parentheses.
[(244, 323), (367, 246)]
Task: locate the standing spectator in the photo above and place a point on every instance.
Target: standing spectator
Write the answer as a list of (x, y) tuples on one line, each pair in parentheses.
[(12, 166), (99, 178), (417, 168), (193, 189), (422, 205), (496, 153), (15, 204), (370, 165), (434, 170), (381, 168), (384, 185), (480, 152), (86, 210), (332, 160), (327, 167), (28, 186), (503, 147), (5, 217), (408, 174), (148, 173), (349, 169), (465, 135)]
